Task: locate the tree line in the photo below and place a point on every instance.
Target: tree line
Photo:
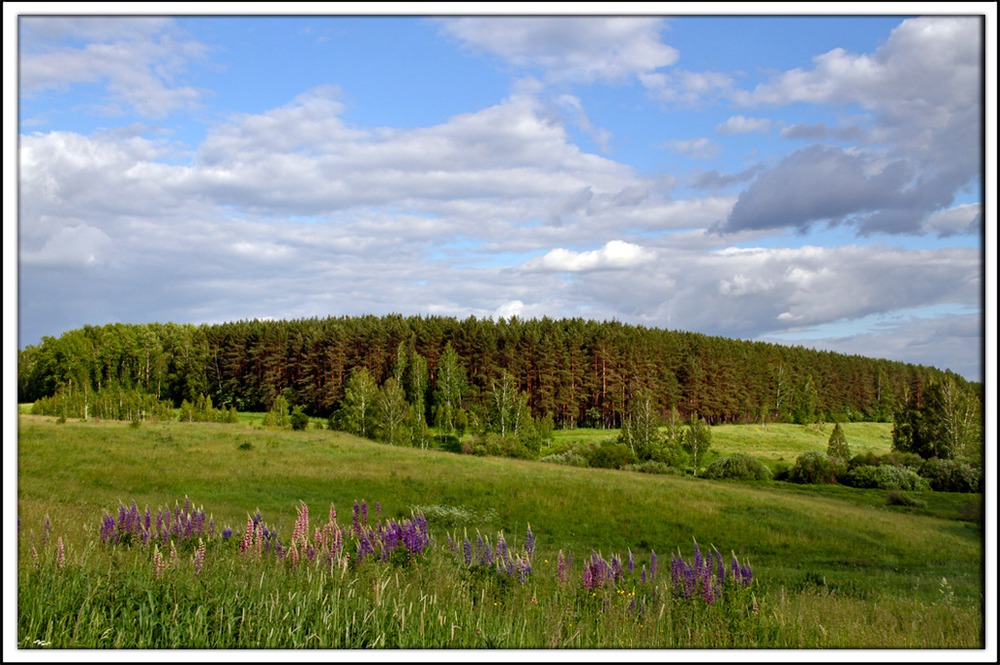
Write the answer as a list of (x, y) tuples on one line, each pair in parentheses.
[(567, 372)]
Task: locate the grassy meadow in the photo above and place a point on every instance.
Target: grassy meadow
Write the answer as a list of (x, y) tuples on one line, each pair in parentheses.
[(833, 567)]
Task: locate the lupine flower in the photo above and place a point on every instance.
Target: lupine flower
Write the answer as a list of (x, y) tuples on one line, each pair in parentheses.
[(60, 553), (467, 551), (529, 542), (652, 565), (561, 569), (227, 533), (631, 562), (199, 557), (34, 556), (46, 529), (158, 564)]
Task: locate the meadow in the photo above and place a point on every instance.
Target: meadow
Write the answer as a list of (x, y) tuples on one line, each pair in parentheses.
[(832, 567)]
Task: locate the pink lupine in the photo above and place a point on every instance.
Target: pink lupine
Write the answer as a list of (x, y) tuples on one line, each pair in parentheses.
[(247, 535), (60, 553), (199, 557), (158, 564)]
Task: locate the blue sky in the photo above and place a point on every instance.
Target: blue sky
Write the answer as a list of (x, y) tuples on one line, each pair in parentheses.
[(812, 180)]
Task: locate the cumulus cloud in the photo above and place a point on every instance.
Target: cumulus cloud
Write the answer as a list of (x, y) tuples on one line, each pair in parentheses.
[(820, 183), (615, 255), (138, 59), (574, 49), (922, 88)]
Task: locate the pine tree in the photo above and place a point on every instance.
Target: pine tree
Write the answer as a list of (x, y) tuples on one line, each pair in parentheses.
[(837, 447)]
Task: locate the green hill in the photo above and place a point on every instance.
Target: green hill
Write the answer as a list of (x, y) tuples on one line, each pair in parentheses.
[(836, 566)]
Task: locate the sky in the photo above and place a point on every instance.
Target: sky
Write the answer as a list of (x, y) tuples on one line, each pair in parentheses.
[(815, 180)]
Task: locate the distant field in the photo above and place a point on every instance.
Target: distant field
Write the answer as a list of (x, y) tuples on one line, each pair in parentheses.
[(773, 443), (835, 566)]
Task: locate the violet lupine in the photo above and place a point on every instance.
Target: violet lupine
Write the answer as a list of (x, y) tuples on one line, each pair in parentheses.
[(227, 533), (60, 553), (46, 529), (467, 551), (631, 562), (529, 543), (652, 564)]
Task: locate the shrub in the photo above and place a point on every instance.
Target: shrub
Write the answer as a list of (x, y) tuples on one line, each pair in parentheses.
[(652, 466), (298, 419), (813, 468), (609, 455), (885, 477), (738, 467), (946, 475), (567, 457)]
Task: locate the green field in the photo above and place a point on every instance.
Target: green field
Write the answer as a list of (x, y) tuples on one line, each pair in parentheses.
[(834, 567)]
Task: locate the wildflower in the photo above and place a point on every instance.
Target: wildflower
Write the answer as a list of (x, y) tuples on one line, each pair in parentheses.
[(227, 533), (60, 553), (631, 562), (467, 551), (529, 542), (561, 569), (158, 564), (34, 556), (199, 557), (46, 529), (247, 535)]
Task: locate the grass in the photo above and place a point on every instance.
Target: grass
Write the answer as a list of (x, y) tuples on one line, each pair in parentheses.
[(829, 561)]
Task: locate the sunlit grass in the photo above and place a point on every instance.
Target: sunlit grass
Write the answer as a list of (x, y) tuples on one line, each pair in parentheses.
[(828, 559)]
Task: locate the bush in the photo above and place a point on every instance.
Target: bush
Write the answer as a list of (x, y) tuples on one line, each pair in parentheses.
[(609, 455), (885, 477), (298, 419), (813, 468), (946, 475), (497, 446), (567, 457), (652, 466), (738, 467)]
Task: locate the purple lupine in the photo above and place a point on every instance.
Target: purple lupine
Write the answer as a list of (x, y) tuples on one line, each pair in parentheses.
[(631, 562), (467, 551), (46, 529), (652, 565), (227, 533), (501, 547), (356, 520), (529, 542)]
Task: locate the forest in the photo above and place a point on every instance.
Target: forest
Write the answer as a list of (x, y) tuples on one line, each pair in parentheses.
[(571, 372)]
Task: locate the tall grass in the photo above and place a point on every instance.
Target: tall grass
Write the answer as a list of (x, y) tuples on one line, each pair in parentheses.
[(829, 570)]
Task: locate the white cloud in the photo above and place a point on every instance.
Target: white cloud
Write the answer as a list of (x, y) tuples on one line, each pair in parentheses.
[(138, 59), (740, 124), (615, 255), (566, 48), (687, 88)]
